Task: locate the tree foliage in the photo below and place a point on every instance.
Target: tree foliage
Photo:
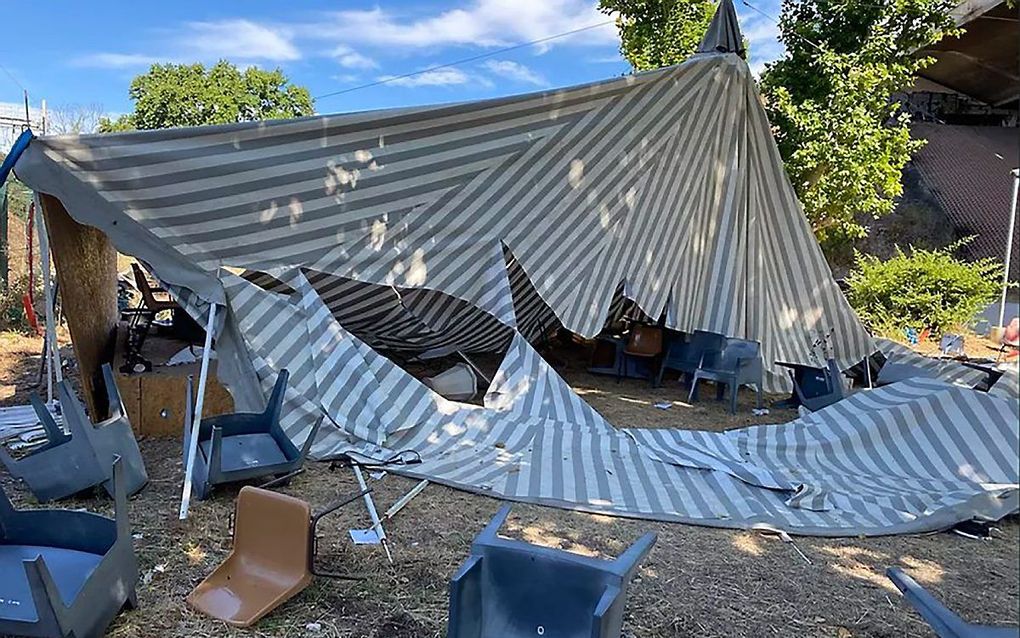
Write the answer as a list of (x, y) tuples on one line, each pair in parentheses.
[(657, 33), (843, 139), (170, 95)]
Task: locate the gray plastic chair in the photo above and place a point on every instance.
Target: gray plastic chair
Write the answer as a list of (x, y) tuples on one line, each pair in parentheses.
[(739, 363), (243, 446), (685, 356), (511, 589), (65, 573), (945, 623), (69, 463)]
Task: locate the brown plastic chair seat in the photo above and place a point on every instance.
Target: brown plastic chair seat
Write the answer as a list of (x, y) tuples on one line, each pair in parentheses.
[(270, 562)]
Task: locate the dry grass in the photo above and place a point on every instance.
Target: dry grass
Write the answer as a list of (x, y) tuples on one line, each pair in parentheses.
[(697, 581)]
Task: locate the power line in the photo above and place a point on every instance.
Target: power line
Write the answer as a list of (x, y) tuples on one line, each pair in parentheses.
[(14, 79), (464, 60), (775, 20)]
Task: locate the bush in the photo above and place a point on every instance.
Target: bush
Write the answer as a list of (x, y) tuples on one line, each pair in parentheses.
[(922, 289)]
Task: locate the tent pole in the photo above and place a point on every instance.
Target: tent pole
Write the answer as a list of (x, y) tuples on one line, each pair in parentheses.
[(1009, 247), (203, 375), (372, 513), (53, 364)]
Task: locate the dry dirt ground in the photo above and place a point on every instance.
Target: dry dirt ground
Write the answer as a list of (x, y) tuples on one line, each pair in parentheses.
[(696, 582)]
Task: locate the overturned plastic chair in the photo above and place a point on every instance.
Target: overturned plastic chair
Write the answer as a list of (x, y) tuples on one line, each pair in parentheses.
[(813, 387), (945, 623), (273, 558), (65, 573), (511, 589), (243, 446), (82, 458)]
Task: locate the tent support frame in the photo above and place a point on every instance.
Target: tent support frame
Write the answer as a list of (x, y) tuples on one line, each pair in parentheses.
[(203, 376)]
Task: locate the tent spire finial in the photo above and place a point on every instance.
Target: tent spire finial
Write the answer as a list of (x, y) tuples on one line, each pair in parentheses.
[(723, 34)]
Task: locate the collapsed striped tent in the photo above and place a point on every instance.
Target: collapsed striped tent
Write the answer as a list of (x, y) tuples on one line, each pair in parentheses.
[(398, 228), (667, 183)]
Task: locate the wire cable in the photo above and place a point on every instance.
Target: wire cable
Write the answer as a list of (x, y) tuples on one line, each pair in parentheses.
[(473, 58), (13, 79)]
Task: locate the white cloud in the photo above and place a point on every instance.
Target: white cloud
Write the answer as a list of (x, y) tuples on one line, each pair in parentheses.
[(515, 71), (236, 40), (484, 23), (435, 77), (116, 60), (762, 35), (351, 59)]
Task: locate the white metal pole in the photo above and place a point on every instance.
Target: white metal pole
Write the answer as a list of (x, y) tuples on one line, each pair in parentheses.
[(1009, 247), (372, 513), (203, 374), (53, 364)]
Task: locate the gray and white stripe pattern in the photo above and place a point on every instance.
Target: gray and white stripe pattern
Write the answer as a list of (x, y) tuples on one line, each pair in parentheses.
[(667, 182), (911, 457)]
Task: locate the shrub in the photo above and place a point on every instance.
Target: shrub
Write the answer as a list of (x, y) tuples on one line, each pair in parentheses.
[(922, 289), (12, 310)]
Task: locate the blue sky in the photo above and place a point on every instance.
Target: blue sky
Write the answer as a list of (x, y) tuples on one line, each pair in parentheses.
[(89, 57)]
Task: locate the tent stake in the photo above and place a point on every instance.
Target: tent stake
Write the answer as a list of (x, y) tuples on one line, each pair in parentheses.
[(196, 424), (376, 523)]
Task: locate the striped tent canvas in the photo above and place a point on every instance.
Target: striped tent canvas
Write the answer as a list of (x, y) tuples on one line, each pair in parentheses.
[(666, 183), (325, 236)]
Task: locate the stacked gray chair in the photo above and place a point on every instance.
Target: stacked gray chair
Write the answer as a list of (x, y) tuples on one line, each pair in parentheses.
[(82, 458), (243, 446), (65, 573), (512, 589), (945, 623), (739, 363)]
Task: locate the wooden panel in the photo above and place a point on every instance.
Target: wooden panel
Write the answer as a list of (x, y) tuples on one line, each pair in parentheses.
[(86, 265), (162, 402), (156, 405)]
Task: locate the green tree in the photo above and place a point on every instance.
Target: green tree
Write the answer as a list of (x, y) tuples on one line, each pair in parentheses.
[(657, 33), (171, 95), (842, 136)]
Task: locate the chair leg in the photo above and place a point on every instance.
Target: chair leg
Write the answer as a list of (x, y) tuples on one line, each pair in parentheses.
[(757, 392), (692, 395), (620, 364), (720, 390), (655, 371), (734, 392)]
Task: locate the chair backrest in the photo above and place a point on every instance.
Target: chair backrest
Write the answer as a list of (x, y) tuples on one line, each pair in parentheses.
[(645, 340), (272, 531), (703, 341), (734, 350), (142, 283)]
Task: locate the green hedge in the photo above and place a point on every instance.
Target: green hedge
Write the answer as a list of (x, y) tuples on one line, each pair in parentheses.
[(922, 289)]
